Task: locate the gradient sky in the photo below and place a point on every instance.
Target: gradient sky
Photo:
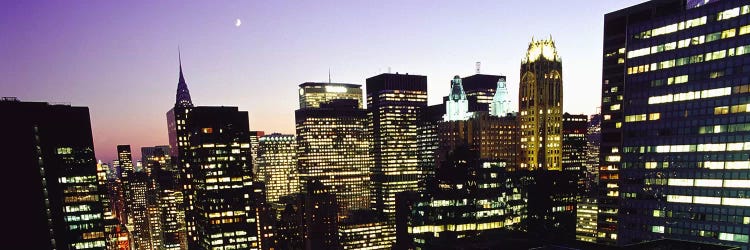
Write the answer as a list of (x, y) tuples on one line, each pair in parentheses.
[(119, 58)]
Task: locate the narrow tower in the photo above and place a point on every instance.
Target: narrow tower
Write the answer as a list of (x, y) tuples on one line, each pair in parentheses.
[(500, 105), (540, 106), (457, 106)]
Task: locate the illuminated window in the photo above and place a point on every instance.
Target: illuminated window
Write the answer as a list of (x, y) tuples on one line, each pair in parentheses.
[(207, 130)]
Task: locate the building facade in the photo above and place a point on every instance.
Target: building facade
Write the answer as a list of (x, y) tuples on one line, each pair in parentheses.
[(456, 105), (682, 157), (332, 147), (540, 104), (277, 160)]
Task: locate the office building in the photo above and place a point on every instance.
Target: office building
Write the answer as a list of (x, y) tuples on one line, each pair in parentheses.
[(480, 90), (586, 216), (574, 142), (222, 201), (680, 102), (332, 147), (428, 140), (277, 162), (540, 104), (593, 143), (393, 105), (53, 185), (254, 142), (139, 219), (309, 220), (312, 94), (365, 229)]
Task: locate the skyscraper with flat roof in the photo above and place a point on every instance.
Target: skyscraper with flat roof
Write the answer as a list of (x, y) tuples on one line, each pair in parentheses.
[(393, 105), (674, 104), (312, 94), (53, 189)]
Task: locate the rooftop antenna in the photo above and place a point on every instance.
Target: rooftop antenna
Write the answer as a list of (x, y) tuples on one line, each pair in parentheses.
[(479, 64), (329, 75), (389, 69)]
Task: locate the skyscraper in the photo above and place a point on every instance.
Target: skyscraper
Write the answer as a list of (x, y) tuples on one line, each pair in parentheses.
[(312, 94), (332, 147), (126, 170), (393, 105), (574, 142), (680, 111), (223, 205), (254, 142), (277, 160), (540, 101), (52, 189), (456, 105), (179, 143), (480, 90)]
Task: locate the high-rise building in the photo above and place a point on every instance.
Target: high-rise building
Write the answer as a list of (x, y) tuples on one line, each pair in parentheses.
[(393, 105), (494, 138), (428, 140), (277, 160), (166, 218), (500, 105), (222, 201), (254, 142), (456, 105), (139, 219), (332, 147), (574, 142), (681, 101), (586, 216), (480, 90), (126, 169), (312, 94), (179, 143), (309, 220), (593, 142), (52, 195), (540, 104)]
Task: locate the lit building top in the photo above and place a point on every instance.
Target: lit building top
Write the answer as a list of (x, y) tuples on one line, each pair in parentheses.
[(500, 105), (312, 94), (183, 94), (457, 106), (541, 49)]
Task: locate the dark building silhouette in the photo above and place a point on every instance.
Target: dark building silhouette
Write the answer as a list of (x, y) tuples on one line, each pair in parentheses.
[(52, 187), (480, 89), (467, 199), (674, 102), (309, 220)]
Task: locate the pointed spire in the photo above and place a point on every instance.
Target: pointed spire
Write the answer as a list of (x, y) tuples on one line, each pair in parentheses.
[(183, 94)]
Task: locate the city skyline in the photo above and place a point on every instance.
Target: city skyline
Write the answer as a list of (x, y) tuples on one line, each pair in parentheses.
[(121, 60)]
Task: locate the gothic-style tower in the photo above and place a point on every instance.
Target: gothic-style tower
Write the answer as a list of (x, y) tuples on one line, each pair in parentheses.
[(457, 106), (500, 105), (183, 94), (540, 100)]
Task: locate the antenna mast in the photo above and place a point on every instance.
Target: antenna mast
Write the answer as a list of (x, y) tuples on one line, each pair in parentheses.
[(479, 64)]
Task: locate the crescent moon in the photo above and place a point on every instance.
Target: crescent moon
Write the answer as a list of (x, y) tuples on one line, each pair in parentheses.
[(238, 22)]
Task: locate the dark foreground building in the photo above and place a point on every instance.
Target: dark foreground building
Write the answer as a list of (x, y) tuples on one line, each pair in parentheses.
[(51, 190)]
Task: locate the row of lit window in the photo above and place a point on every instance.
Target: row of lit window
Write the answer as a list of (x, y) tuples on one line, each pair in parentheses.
[(709, 183), (689, 41), (691, 95), (642, 117), (715, 55), (715, 129), (671, 28)]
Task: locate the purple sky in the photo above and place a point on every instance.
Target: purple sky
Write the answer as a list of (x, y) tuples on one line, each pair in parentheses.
[(119, 58)]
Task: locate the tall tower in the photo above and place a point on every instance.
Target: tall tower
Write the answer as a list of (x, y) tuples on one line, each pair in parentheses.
[(457, 106), (393, 105), (540, 101), (179, 143), (500, 105)]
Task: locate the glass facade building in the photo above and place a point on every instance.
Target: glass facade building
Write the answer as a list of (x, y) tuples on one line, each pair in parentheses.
[(682, 158)]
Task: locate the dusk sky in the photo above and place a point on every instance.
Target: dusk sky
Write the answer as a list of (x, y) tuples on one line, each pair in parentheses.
[(119, 58)]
